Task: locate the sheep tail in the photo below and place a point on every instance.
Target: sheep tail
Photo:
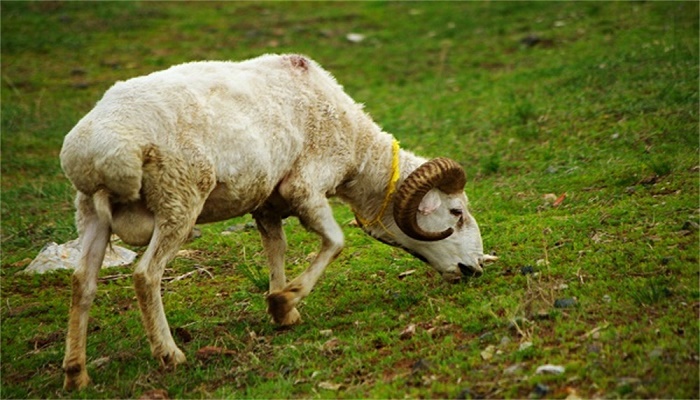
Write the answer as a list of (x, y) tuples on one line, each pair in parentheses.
[(103, 207)]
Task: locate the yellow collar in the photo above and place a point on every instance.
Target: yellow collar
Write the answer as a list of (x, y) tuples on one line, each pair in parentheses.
[(391, 188)]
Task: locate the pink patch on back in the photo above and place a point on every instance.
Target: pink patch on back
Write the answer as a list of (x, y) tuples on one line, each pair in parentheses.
[(298, 62)]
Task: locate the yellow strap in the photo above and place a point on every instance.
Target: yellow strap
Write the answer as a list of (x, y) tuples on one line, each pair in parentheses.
[(391, 187)]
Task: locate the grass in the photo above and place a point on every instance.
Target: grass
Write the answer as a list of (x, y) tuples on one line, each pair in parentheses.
[(598, 100)]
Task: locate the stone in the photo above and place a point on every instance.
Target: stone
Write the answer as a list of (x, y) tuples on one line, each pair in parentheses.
[(67, 256), (564, 302)]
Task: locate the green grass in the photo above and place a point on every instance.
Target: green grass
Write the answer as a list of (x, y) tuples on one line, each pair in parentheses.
[(603, 107)]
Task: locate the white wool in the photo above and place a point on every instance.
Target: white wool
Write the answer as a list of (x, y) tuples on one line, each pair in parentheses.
[(207, 141)]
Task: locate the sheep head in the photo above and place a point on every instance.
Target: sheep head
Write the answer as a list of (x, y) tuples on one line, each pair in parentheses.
[(434, 223), (440, 173)]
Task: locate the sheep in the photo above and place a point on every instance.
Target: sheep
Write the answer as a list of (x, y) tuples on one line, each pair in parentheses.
[(273, 136)]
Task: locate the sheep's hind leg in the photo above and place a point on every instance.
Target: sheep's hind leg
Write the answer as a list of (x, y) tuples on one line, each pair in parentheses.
[(318, 217), (94, 236), (275, 244), (175, 191), (167, 237)]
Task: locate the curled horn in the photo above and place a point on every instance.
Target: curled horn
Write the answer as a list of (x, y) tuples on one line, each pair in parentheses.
[(441, 173)]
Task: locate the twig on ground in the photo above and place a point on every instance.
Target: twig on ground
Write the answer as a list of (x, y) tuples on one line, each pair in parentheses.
[(594, 330), (115, 277), (198, 270)]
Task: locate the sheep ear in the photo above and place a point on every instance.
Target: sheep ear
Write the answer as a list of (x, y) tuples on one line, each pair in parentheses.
[(431, 201)]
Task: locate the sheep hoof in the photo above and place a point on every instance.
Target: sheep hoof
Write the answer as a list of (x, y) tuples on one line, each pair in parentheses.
[(280, 306), (76, 381), (292, 318), (172, 359)]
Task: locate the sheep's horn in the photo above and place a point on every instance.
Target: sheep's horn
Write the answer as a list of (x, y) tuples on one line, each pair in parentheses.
[(441, 173)]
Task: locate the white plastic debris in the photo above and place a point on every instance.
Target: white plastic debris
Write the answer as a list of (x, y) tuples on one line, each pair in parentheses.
[(355, 37), (550, 369), (66, 256)]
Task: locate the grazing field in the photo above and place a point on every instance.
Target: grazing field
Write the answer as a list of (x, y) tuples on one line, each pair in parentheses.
[(577, 124)]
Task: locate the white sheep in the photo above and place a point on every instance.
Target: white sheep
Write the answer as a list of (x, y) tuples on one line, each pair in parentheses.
[(273, 136)]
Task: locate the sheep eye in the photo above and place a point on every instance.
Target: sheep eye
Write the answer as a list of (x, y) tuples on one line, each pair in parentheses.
[(457, 212)]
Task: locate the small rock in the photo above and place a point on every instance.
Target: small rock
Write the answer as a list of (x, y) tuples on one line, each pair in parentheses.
[(595, 348), (530, 40), (528, 269), (66, 256), (505, 340), (542, 314), (513, 369), (428, 380), (607, 298), (487, 353), (540, 390), (524, 346), (326, 332), (565, 302), (408, 332), (550, 369), (420, 365)]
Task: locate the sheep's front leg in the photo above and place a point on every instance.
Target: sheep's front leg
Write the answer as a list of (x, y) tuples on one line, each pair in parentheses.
[(318, 217), (275, 244), (94, 238)]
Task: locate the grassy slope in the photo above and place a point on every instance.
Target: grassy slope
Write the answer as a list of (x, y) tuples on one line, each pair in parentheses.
[(604, 108)]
